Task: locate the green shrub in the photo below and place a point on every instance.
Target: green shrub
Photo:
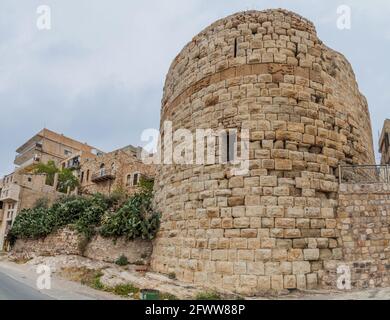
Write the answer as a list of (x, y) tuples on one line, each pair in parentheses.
[(42, 203), (50, 169), (89, 215), (125, 290), (67, 180), (88, 277), (34, 224), (83, 212), (122, 261), (92, 215), (135, 219), (118, 197)]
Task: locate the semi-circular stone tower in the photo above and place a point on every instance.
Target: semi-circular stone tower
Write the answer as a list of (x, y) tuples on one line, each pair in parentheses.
[(275, 227)]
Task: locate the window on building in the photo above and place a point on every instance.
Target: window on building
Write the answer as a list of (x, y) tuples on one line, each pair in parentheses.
[(128, 180), (136, 179), (228, 144), (87, 179), (67, 152), (82, 177), (102, 169)]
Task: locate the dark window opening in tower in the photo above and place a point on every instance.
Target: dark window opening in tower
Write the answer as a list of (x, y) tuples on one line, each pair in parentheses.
[(229, 140)]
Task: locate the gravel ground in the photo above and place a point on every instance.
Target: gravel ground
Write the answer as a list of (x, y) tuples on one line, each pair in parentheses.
[(113, 275)]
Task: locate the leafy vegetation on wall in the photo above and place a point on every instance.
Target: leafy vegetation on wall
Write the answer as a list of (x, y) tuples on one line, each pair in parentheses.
[(136, 218), (91, 215), (66, 178), (48, 169)]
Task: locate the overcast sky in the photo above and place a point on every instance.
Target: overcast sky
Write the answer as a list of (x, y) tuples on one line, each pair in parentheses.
[(97, 75)]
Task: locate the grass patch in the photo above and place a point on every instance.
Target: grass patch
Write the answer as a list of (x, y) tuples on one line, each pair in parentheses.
[(167, 296), (125, 290), (208, 296), (92, 279), (21, 260), (87, 277), (97, 283)]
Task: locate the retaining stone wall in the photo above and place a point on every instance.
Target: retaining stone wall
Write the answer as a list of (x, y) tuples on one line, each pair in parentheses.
[(66, 242)]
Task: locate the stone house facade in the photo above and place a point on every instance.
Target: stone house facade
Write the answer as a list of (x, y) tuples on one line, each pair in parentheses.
[(105, 173), (21, 189), (46, 146), (119, 170)]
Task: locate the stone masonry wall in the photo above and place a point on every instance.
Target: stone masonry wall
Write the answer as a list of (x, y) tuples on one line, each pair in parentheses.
[(363, 219), (274, 228), (66, 242)]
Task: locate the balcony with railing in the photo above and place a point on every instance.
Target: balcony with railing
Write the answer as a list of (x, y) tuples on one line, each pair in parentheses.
[(10, 193), (103, 175), (367, 174), (73, 163), (28, 164), (30, 153)]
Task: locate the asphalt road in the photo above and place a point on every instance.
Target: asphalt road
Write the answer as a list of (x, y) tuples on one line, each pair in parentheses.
[(11, 289)]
